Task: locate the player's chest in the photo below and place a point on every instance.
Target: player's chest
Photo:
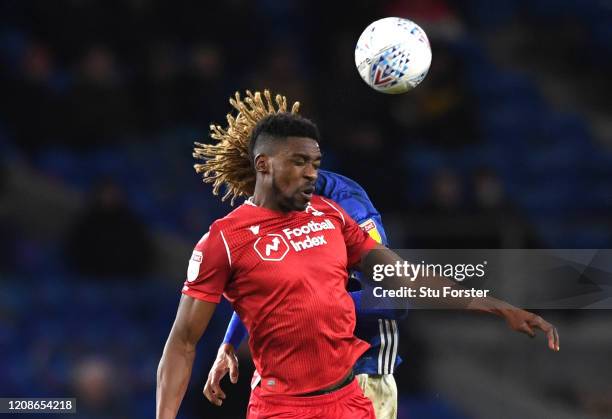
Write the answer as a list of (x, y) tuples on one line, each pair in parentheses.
[(285, 247)]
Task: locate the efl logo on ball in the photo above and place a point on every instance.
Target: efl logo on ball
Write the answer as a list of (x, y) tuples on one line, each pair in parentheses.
[(393, 55)]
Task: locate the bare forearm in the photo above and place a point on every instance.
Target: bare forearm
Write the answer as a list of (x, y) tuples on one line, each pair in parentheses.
[(175, 366), (173, 376), (490, 305)]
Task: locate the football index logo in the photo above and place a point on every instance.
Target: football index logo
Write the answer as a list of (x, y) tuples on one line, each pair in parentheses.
[(272, 247), (308, 242)]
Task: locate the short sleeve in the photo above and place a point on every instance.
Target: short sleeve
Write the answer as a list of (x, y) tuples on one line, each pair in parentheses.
[(356, 239), (209, 267)]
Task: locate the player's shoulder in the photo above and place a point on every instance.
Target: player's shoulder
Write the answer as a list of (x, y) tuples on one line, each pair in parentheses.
[(320, 200), (236, 217), (347, 193), (225, 224), (330, 182), (323, 205)]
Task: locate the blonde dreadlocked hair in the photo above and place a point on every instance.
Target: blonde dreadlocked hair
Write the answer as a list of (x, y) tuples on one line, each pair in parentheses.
[(227, 162)]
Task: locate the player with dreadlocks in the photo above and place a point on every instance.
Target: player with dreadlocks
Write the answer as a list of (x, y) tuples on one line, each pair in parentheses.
[(374, 369), (227, 163), (281, 260)]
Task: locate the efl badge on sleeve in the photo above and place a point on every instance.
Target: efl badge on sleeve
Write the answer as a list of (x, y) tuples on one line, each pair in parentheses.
[(369, 226), (194, 266)]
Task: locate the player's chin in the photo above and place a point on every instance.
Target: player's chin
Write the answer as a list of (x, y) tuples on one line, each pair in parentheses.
[(301, 200)]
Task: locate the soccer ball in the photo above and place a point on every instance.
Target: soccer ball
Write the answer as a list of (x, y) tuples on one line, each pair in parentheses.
[(393, 55)]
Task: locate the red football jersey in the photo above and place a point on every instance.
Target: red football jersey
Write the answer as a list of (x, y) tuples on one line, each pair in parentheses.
[(286, 276)]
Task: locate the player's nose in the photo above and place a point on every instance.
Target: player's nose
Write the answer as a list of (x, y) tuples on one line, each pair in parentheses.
[(310, 173)]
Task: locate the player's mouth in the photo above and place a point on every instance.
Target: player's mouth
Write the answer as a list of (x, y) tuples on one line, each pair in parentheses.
[(307, 192)]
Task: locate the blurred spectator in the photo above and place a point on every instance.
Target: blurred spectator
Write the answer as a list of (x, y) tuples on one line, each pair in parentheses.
[(108, 239), (489, 196), (200, 85), (449, 221), (29, 100), (283, 71), (371, 165), (100, 109), (98, 390), (447, 196), (435, 16), (7, 229), (501, 224), (433, 226), (491, 209), (441, 111), (157, 89)]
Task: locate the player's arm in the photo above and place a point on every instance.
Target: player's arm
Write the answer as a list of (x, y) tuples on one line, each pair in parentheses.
[(176, 362), (207, 275), (363, 252), (516, 318), (235, 333), (226, 361)]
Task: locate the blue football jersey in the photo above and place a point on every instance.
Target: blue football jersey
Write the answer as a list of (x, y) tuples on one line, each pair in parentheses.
[(382, 333)]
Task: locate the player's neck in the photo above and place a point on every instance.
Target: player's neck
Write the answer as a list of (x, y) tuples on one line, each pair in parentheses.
[(266, 199)]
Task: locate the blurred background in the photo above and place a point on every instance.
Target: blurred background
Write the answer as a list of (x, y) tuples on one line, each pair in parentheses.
[(506, 144)]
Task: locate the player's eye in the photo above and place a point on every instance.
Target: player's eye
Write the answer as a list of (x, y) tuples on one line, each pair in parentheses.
[(299, 162)]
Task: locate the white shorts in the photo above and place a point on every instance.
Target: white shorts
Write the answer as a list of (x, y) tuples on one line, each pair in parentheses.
[(382, 391)]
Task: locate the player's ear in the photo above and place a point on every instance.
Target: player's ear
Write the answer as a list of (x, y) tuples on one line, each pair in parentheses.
[(262, 163)]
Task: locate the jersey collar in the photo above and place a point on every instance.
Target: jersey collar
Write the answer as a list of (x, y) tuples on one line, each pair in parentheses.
[(249, 201)]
